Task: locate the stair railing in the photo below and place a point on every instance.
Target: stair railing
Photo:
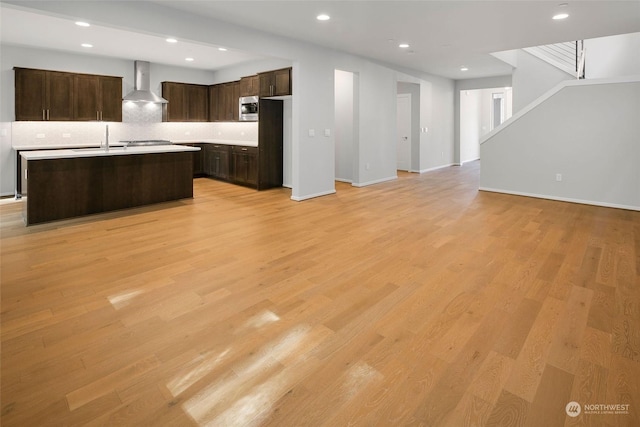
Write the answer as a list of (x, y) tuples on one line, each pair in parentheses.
[(580, 59)]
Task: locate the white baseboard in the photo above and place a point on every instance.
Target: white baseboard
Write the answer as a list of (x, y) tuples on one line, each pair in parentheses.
[(562, 199), (348, 181), (438, 167), (467, 161), (312, 196), (377, 181)]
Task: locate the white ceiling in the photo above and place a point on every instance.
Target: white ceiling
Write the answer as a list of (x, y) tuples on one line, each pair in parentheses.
[(28, 28), (444, 35)]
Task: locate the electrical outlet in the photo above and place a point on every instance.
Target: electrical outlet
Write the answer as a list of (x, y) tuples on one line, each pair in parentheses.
[(558, 177), (327, 132), (312, 132)]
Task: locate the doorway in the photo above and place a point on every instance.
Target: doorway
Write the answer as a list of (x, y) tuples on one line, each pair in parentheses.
[(404, 132), (346, 98), (481, 111)]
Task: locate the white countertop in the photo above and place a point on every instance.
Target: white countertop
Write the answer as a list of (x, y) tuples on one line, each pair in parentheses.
[(95, 152), (216, 141), (119, 144)]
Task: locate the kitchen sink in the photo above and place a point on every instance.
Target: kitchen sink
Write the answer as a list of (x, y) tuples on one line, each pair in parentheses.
[(98, 150)]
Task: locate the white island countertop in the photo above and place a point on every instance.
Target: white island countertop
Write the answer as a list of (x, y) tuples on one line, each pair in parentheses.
[(217, 141), (95, 152)]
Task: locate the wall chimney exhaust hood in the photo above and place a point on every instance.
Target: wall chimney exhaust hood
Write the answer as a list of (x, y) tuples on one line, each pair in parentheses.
[(142, 89)]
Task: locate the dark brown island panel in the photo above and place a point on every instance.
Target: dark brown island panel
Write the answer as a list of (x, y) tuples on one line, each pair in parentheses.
[(59, 188)]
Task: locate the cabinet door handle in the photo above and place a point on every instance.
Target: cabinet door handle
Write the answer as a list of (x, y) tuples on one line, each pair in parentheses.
[(244, 149), (101, 118), (43, 118), (47, 114), (97, 115)]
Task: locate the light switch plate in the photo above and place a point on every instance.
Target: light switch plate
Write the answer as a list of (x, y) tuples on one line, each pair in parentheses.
[(312, 132), (327, 132)]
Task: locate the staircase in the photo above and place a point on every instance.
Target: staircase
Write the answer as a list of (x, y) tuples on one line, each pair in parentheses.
[(567, 56)]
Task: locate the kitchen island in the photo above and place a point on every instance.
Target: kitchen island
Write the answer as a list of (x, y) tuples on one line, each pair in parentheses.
[(61, 184)]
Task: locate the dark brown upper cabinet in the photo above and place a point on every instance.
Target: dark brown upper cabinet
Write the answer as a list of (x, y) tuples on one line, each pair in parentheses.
[(97, 98), (42, 95), (214, 103), (187, 102), (224, 98), (275, 83), (197, 97), (249, 86)]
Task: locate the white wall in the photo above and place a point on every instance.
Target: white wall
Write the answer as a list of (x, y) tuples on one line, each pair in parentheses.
[(613, 56), (470, 124), (587, 131), (532, 78), (344, 125)]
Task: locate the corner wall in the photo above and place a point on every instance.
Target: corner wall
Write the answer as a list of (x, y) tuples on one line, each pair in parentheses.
[(532, 78), (587, 131)]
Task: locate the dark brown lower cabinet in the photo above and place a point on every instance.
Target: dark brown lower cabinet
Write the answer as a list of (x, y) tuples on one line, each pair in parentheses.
[(217, 161), (244, 165), (258, 167), (71, 187)]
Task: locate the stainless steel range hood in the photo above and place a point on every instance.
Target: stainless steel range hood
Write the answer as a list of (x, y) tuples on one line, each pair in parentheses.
[(142, 89)]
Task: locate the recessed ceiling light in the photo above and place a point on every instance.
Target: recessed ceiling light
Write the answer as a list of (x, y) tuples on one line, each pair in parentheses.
[(170, 40), (464, 69), (83, 24), (86, 45), (188, 59), (323, 17), (403, 45), (222, 49), (560, 16)]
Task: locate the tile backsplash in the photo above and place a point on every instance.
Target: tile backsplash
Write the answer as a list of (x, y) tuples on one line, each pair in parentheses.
[(139, 121)]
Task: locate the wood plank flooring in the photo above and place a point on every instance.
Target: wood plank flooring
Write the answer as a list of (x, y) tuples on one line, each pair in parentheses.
[(414, 302)]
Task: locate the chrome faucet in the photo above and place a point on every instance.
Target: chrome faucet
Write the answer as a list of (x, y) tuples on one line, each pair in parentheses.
[(106, 138)]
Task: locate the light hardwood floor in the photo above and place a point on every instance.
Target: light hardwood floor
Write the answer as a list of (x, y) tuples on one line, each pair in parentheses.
[(414, 302)]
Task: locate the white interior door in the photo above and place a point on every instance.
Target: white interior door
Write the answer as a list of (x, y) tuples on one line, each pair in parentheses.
[(404, 132)]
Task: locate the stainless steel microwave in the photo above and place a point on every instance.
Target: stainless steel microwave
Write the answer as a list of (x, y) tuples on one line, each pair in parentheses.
[(248, 109)]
